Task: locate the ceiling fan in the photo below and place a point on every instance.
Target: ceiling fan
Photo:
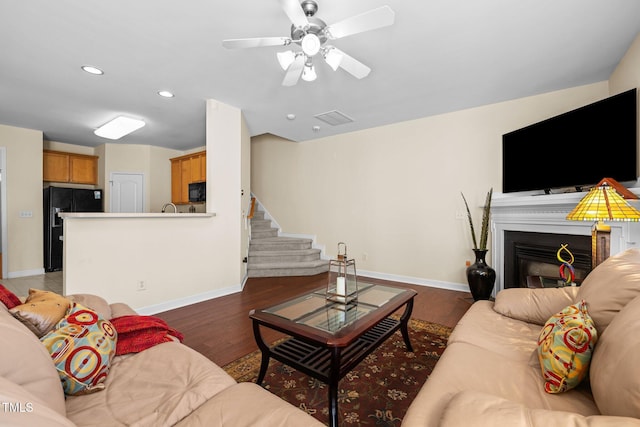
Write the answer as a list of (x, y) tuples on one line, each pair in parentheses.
[(312, 35)]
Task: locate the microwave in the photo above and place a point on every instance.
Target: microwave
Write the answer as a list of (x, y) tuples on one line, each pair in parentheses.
[(198, 192)]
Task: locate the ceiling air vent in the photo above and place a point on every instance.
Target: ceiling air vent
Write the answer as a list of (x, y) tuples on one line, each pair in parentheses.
[(334, 118)]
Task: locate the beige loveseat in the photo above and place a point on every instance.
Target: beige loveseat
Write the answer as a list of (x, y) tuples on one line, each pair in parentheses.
[(167, 384), (489, 374)]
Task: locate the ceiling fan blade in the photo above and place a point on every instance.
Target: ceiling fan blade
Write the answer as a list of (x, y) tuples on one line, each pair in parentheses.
[(375, 18), (294, 72), (256, 42), (351, 65), (295, 13)]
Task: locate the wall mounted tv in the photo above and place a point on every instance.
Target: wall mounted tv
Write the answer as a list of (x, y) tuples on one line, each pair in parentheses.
[(575, 149)]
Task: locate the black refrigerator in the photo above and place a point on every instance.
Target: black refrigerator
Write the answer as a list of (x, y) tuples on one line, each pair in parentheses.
[(61, 199)]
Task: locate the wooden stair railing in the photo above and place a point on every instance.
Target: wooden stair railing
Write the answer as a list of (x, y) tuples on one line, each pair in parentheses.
[(253, 208)]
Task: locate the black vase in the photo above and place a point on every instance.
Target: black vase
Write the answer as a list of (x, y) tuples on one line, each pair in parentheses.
[(480, 276)]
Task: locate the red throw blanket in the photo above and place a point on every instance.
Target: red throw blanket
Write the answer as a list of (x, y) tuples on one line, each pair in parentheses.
[(137, 333), (8, 298)]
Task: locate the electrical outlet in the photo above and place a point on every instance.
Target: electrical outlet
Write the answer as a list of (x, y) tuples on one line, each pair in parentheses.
[(142, 286), (365, 257), (460, 215)]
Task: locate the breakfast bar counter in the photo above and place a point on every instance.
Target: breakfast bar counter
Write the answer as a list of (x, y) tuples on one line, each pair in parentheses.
[(105, 215)]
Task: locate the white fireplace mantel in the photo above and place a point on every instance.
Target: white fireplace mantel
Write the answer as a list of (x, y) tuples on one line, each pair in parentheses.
[(546, 213)]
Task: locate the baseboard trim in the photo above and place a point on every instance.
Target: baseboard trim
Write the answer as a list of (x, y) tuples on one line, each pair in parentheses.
[(183, 302), (25, 273), (414, 280)]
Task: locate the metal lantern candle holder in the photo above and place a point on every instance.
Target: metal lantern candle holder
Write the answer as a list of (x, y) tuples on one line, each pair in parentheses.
[(342, 284)]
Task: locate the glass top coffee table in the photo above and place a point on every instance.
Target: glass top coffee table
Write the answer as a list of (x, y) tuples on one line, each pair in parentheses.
[(328, 339)]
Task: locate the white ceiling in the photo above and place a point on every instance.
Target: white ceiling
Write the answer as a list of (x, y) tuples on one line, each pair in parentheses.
[(439, 56)]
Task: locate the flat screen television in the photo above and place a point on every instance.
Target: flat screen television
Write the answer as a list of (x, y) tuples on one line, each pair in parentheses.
[(574, 149)]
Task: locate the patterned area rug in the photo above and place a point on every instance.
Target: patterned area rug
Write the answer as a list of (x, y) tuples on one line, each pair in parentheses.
[(377, 392)]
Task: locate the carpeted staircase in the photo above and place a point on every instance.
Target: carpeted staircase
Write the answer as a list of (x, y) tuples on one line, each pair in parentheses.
[(271, 255)]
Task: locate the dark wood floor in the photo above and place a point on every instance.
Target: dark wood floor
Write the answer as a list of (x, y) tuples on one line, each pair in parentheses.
[(221, 329)]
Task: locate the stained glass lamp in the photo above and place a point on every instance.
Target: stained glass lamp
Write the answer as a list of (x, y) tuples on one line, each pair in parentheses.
[(604, 202)]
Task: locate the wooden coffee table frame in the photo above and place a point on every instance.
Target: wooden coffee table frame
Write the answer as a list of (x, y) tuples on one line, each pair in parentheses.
[(330, 356)]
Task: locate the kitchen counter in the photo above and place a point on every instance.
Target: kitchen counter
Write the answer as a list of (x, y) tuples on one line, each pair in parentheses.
[(105, 215)]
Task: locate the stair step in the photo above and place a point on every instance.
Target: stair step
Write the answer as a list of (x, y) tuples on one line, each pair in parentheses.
[(279, 244), (259, 257), (263, 234), (288, 269), (257, 215), (302, 264), (260, 223)]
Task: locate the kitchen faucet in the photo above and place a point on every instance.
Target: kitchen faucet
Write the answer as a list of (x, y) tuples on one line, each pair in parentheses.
[(164, 208)]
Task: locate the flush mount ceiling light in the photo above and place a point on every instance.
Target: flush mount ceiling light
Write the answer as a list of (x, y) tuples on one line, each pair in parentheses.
[(165, 94), (312, 34), (92, 70), (119, 127)]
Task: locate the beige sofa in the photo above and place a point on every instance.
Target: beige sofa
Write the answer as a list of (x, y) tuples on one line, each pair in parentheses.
[(167, 384), (489, 374)]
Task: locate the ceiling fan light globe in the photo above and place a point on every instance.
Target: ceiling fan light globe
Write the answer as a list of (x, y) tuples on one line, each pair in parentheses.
[(309, 73), (310, 44), (285, 59), (333, 58)]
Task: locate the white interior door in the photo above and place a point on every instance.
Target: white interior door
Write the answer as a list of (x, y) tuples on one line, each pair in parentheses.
[(127, 192)]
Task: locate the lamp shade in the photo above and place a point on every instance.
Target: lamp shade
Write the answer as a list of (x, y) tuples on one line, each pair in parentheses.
[(309, 73), (604, 203), (333, 58), (285, 59)]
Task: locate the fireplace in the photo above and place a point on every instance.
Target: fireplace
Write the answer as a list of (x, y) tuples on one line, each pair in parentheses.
[(530, 259), (545, 217)]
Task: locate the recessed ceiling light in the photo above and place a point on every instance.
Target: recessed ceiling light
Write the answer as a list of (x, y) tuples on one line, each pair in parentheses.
[(119, 127), (291, 116), (165, 94), (92, 70)]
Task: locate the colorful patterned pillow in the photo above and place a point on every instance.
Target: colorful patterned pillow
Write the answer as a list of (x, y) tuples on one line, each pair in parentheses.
[(565, 345), (82, 346)]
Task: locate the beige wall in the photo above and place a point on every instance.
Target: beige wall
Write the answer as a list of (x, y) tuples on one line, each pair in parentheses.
[(69, 148), (23, 178), (392, 193), (159, 179), (627, 74)]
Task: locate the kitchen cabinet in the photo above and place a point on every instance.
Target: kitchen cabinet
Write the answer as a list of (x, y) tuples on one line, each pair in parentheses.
[(185, 170), (59, 166)]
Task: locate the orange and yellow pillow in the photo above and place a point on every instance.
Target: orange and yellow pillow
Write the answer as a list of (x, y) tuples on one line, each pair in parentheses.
[(41, 311), (565, 345)]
